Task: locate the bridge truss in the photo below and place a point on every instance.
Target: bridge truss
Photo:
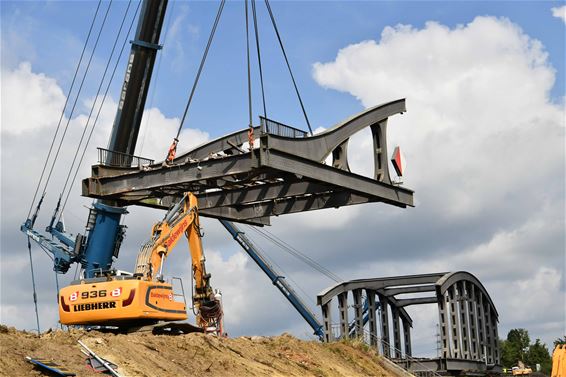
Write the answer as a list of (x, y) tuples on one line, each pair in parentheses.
[(467, 319)]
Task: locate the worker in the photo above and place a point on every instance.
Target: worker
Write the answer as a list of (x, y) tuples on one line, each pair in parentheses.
[(172, 151)]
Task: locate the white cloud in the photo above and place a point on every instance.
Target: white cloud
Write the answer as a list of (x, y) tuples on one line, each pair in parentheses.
[(23, 89), (157, 133), (486, 147), (559, 12), (31, 106)]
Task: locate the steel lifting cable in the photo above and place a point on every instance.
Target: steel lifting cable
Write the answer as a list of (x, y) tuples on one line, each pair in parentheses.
[(34, 290), (64, 107), (202, 61), (287, 61), (305, 295), (100, 107), (47, 160), (94, 104), (297, 254), (250, 113), (77, 98), (311, 262), (256, 29)]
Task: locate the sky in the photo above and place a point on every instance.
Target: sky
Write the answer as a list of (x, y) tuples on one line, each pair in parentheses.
[(483, 138)]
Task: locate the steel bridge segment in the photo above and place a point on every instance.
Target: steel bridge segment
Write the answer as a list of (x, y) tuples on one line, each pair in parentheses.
[(378, 283), (467, 317), (227, 144), (283, 175)]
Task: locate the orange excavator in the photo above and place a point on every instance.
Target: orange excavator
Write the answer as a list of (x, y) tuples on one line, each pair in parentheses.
[(144, 298)]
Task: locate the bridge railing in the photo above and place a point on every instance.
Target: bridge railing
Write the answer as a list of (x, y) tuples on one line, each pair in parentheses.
[(276, 128), (118, 159)]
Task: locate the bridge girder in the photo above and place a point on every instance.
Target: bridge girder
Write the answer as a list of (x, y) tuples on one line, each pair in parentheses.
[(282, 175)]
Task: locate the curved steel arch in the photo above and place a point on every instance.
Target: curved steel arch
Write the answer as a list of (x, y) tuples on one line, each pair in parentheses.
[(467, 315), (451, 278)]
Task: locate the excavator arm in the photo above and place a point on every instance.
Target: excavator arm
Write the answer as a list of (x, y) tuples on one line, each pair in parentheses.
[(181, 219)]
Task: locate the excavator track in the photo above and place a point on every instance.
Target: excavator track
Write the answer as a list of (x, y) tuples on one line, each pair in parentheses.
[(160, 328)]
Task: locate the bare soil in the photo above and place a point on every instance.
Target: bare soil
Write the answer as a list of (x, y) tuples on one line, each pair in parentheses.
[(143, 354)]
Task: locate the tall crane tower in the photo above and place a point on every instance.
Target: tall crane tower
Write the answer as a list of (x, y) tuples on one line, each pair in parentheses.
[(96, 250)]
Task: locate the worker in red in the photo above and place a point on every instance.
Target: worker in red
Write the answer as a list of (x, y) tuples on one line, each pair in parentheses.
[(172, 151)]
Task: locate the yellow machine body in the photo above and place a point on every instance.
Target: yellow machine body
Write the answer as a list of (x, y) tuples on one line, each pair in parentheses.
[(119, 302), (559, 361)]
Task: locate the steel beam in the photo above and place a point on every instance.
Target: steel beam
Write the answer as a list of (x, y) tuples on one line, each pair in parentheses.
[(454, 323), (287, 205), (372, 318), (473, 310), (482, 328), (385, 339), (343, 310), (416, 301), (378, 283), (464, 330), (327, 322), (443, 321), (390, 194), (359, 313), (410, 289), (192, 173), (224, 144), (407, 338), (320, 146), (396, 332)]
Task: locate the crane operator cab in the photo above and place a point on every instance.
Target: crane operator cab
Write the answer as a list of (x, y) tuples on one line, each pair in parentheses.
[(128, 300)]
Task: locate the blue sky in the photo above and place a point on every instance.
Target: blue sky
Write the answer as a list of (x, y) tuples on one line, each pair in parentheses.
[(478, 111), (50, 35)]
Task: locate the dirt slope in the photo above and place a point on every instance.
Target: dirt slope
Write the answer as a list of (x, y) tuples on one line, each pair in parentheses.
[(188, 355)]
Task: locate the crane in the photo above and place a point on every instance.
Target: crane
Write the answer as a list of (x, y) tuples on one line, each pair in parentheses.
[(144, 297), (95, 250)]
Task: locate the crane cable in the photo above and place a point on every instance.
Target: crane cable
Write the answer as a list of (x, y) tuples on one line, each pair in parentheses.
[(33, 284), (49, 155), (256, 29), (297, 254), (250, 112), (102, 102), (94, 105), (155, 81), (64, 107), (75, 103), (304, 295), (173, 147), (272, 17)]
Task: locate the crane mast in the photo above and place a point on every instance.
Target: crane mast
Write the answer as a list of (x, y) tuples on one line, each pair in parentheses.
[(106, 233), (95, 251)]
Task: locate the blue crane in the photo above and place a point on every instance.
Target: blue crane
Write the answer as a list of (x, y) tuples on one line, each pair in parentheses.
[(277, 279), (96, 250)]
